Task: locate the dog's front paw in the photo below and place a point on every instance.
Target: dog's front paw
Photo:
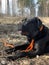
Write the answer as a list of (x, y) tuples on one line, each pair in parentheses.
[(9, 58), (9, 51)]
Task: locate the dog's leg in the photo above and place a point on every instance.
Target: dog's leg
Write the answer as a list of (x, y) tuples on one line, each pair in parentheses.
[(21, 47), (18, 55), (30, 54), (39, 47)]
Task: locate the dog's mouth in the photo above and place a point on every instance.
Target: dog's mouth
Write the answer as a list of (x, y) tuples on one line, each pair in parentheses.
[(24, 33)]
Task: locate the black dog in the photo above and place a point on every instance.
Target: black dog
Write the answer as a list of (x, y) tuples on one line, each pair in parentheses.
[(38, 37)]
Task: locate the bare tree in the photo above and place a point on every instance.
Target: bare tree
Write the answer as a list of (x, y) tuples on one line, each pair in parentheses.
[(8, 7), (43, 8), (14, 6)]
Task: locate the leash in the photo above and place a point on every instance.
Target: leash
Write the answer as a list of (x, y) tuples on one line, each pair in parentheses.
[(31, 46)]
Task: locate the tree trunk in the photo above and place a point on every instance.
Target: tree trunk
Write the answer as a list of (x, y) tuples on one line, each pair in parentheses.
[(8, 7), (0, 6)]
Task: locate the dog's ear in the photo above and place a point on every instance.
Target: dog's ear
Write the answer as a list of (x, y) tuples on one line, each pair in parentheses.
[(39, 23), (25, 19)]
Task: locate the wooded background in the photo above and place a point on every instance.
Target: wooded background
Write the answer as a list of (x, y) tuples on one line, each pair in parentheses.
[(24, 8)]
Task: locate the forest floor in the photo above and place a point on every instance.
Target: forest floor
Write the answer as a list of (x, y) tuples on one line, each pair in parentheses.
[(8, 33)]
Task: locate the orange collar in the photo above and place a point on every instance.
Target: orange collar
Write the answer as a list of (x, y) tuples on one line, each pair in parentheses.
[(41, 28)]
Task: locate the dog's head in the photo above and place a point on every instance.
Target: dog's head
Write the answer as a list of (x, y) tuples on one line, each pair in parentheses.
[(31, 26)]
